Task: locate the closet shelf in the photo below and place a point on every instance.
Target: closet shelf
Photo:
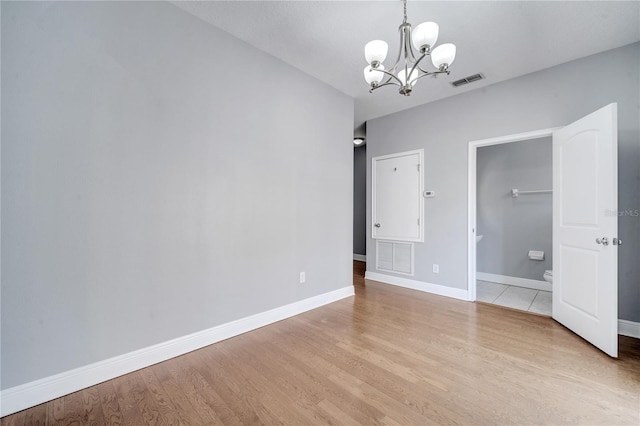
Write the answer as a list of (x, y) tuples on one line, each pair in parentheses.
[(515, 192)]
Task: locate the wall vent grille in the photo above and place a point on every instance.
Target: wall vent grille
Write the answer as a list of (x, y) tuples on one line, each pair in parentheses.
[(394, 257), (467, 80)]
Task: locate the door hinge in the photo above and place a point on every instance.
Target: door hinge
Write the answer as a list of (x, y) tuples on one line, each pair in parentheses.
[(418, 167), (418, 221)]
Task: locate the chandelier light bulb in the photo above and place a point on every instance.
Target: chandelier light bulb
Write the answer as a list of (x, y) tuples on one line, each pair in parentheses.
[(425, 35), (372, 76), (412, 78), (443, 55), (375, 52)]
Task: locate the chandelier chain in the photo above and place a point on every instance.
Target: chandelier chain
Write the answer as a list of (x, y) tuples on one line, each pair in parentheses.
[(405, 11)]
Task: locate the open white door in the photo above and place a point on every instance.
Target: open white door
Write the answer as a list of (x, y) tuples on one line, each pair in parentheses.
[(585, 228)]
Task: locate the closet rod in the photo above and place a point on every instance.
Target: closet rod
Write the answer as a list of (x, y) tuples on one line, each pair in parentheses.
[(515, 192)]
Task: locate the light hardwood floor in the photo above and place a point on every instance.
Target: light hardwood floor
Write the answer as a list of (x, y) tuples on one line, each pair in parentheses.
[(388, 356)]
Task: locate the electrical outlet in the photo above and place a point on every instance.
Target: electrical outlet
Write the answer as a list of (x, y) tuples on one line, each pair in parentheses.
[(436, 268), (303, 277)]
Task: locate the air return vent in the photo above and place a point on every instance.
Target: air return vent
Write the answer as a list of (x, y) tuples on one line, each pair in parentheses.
[(467, 80)]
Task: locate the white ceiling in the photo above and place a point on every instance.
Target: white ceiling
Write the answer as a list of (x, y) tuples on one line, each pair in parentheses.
[(501, 39)]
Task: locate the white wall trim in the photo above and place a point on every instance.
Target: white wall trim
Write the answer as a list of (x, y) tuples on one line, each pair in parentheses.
[(472, 248), (629, 328), (360, 257), (438, 289), (33, 393), (517, 137), (515, 281)]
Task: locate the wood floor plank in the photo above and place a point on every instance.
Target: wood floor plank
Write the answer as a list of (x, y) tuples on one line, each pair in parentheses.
[(315, 371), (388, 356), (74, 410), (181, 399), (109, 401), (127, 402), (231, 381), (36, 416), (55, 412), (398, 389), (146, 404), (92, 406), (16, 419), (272, 398), (166, 409), (293, 386), (208, 393)]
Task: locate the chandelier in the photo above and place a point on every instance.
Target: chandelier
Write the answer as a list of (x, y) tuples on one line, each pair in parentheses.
[(423, 37)]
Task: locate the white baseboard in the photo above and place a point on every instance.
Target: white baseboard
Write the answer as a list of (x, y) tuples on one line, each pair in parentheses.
[(360, 257), (515, 281), (441, 290), (33, 393), (629, 328)]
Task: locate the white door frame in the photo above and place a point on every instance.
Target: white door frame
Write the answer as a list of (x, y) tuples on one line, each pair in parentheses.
[(471, 197)]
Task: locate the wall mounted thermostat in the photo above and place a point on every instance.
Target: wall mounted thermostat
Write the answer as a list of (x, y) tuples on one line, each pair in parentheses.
[(429, 194)]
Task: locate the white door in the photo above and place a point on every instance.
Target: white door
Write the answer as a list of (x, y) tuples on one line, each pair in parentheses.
[(585, 228), (397, 197)]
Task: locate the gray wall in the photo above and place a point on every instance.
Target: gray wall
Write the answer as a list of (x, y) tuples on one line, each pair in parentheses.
[(513, 226), (150, 191), (553, 97), (360, 200)]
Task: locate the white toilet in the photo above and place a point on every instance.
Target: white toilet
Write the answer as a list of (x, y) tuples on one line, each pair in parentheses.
[(548, 276)]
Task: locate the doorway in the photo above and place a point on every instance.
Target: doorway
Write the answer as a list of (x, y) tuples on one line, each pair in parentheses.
[(514, 225), (472, 196)]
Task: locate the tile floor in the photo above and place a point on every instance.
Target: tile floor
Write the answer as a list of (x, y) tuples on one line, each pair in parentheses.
[(525, 299)]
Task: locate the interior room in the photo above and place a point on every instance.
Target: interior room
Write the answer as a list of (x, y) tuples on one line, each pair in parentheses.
[(514, 212), (245, 212)]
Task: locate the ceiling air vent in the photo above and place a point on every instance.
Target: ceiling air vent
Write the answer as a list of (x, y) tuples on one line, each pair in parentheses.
[(467, 80)]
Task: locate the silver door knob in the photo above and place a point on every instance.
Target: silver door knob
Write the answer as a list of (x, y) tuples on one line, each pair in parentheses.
[(617, 242), (604, 241), (377, 225)]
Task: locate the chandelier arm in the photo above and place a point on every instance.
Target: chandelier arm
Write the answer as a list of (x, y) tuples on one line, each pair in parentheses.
[(405, 43), (411, 48), (395, 65), (423, 75), (386, 83), (417, 62), (426, 73), (412, 55), (391, 76)]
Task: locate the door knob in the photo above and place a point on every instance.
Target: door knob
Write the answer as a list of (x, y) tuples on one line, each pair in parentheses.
[(377, 225), (617, 242), (604, 241)]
